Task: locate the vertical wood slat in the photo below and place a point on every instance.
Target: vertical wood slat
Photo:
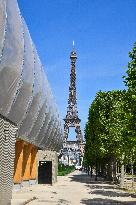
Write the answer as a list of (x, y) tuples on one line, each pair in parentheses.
[(18, 162)]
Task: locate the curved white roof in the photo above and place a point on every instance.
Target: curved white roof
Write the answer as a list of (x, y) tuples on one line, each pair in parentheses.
[(25, 95)]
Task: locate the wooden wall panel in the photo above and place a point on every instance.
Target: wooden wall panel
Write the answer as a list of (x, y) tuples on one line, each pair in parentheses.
[(33, 166), (18, 162), (26, 162)]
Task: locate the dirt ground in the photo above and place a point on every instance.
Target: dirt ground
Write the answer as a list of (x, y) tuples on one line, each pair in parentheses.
[(74, 189)]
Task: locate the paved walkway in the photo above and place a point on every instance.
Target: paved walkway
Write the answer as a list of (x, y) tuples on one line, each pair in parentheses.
[(74, 189)]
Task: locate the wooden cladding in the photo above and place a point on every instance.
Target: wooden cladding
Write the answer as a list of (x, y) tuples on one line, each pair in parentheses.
[(25, 167)]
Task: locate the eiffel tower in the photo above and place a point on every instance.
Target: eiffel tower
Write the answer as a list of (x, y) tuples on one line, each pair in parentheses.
[(72, 119)]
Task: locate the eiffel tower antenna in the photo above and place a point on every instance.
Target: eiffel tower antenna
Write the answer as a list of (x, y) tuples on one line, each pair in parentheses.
[(73, 45), (72, 119)]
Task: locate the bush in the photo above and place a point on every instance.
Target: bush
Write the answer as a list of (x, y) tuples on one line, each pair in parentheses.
[(65, 169)]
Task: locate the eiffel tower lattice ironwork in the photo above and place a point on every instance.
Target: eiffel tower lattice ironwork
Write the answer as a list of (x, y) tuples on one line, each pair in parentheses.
[(72, 119)]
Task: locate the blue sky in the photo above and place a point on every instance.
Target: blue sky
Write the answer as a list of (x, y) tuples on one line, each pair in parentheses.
[(104, 32)]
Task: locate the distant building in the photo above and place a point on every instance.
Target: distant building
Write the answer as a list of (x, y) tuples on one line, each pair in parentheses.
[(72, 153)]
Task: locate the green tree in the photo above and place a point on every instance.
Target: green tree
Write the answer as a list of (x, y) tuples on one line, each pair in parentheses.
[(130, 82), (130, 78), (106, 128)]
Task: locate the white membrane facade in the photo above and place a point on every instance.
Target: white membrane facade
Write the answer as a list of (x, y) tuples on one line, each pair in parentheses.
[(25, 94)]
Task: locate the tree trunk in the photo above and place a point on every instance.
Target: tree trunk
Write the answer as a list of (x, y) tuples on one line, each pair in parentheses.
[(103, 169), (122, 173), (91, 171), (96, 172), (109, 170), (114, 170), (88, 170), (132, 172)]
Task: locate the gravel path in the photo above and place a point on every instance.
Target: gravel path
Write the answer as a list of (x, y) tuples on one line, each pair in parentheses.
[(75, 189)]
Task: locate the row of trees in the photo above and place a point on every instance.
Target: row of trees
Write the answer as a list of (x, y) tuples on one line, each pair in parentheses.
[(110, 131)]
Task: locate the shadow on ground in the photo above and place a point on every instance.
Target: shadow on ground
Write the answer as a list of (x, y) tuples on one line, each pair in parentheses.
[(84, 178), (104, 189), (113, 193), (63, 202), (81, 177), (99, 201)]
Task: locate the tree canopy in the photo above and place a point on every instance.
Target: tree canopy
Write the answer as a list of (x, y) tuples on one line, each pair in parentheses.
[(111, 126)]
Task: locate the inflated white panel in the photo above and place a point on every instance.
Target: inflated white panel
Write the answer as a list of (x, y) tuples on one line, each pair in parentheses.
[(12, 57), (33, 110), (3, 20), (24, 95)]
